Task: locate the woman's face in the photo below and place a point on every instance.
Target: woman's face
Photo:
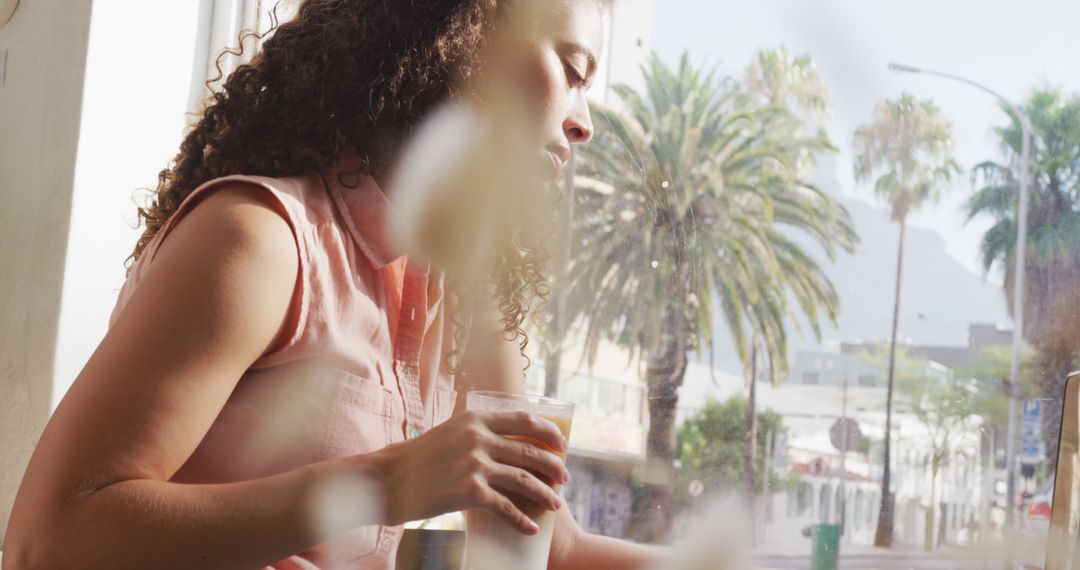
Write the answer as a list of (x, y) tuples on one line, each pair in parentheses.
[(476, 173), (568, 67), (558, 67)]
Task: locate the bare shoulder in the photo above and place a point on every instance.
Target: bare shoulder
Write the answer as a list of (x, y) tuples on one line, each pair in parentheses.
[(240, 218), (230, 265)]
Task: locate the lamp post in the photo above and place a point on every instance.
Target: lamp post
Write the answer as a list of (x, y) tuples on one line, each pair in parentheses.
[(1021, 255)]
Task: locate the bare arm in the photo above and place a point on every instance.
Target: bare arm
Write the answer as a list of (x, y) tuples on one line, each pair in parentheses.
[(574, 548), (97, 493)]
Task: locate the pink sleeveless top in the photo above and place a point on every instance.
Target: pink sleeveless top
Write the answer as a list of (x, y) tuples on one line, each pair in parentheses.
[(361, 367)]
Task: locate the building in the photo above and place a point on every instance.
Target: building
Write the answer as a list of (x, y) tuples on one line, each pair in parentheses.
[(607, 439), (959, 358), (627, 32), (855, 360), (823, 368), (811, 399)]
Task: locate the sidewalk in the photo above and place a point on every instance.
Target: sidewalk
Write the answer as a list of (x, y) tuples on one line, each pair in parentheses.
[(862, 551), (1029, 553)]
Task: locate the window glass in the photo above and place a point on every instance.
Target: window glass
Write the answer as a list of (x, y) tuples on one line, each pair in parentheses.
[(771, 215), (791, 273)]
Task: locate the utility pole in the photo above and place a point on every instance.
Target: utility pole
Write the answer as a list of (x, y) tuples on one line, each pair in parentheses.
[(1012, 532), (988, 495), (770, 451), (1010, 455), (843, 454)]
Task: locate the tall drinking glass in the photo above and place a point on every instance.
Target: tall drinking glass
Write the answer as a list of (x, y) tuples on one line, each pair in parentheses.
[(490, 543)]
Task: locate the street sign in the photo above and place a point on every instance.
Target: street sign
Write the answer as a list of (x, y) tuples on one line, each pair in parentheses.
[(1031, 432), (695, 488), (849, 428), (780, 451)]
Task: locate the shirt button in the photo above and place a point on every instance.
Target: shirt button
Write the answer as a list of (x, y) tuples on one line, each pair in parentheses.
[(414, 432), (386, 544)]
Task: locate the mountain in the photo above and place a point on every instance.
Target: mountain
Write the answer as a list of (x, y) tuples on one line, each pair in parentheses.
[(940, 297)]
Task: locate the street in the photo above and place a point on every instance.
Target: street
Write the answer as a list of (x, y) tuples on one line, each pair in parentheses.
[(1028, 555), (881, 563)]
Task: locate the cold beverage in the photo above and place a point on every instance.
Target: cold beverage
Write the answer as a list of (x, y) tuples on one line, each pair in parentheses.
[(490, 543)]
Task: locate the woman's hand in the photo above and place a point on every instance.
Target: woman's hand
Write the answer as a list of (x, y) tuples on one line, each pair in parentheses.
[(469, 462)]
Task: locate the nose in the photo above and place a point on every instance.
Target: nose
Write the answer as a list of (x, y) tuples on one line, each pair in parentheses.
[(578, 125)]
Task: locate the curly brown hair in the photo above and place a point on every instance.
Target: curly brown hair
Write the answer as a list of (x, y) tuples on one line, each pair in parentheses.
[(356, 75)]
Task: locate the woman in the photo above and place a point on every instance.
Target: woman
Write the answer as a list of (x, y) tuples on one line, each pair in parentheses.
[(276, 383)]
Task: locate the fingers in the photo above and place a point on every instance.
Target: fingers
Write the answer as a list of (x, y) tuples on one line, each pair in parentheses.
[(512, 454), (526, 485), (502, 507), (532, 458), (526, 425)]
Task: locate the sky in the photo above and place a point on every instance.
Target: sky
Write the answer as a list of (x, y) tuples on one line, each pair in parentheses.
[(1010, 46)]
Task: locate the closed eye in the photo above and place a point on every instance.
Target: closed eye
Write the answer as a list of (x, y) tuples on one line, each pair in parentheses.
[(579, 63), (575, 77)]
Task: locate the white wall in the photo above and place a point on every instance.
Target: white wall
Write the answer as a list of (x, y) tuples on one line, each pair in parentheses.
[(40, 104), (72, 157), (138, 84), (627, 42)]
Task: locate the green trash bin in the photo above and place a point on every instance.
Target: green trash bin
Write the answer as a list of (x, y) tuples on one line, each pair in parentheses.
[(825, 553)]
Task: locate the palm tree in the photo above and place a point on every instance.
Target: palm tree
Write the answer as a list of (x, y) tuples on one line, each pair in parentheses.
[(907, 153), (679, 212), (790, 81), (779, 79), (1052, 284)]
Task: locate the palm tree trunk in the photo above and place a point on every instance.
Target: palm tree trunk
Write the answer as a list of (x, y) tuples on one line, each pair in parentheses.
[(750, 451), (1055, 364), (664, 374), (654, 518), (552, 361), (553, 342), (883, 537)]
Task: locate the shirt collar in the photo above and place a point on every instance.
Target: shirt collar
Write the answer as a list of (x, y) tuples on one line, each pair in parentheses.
[(368, 215)]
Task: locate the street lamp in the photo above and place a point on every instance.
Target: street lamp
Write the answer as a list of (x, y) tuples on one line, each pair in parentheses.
[(1021, 255)]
